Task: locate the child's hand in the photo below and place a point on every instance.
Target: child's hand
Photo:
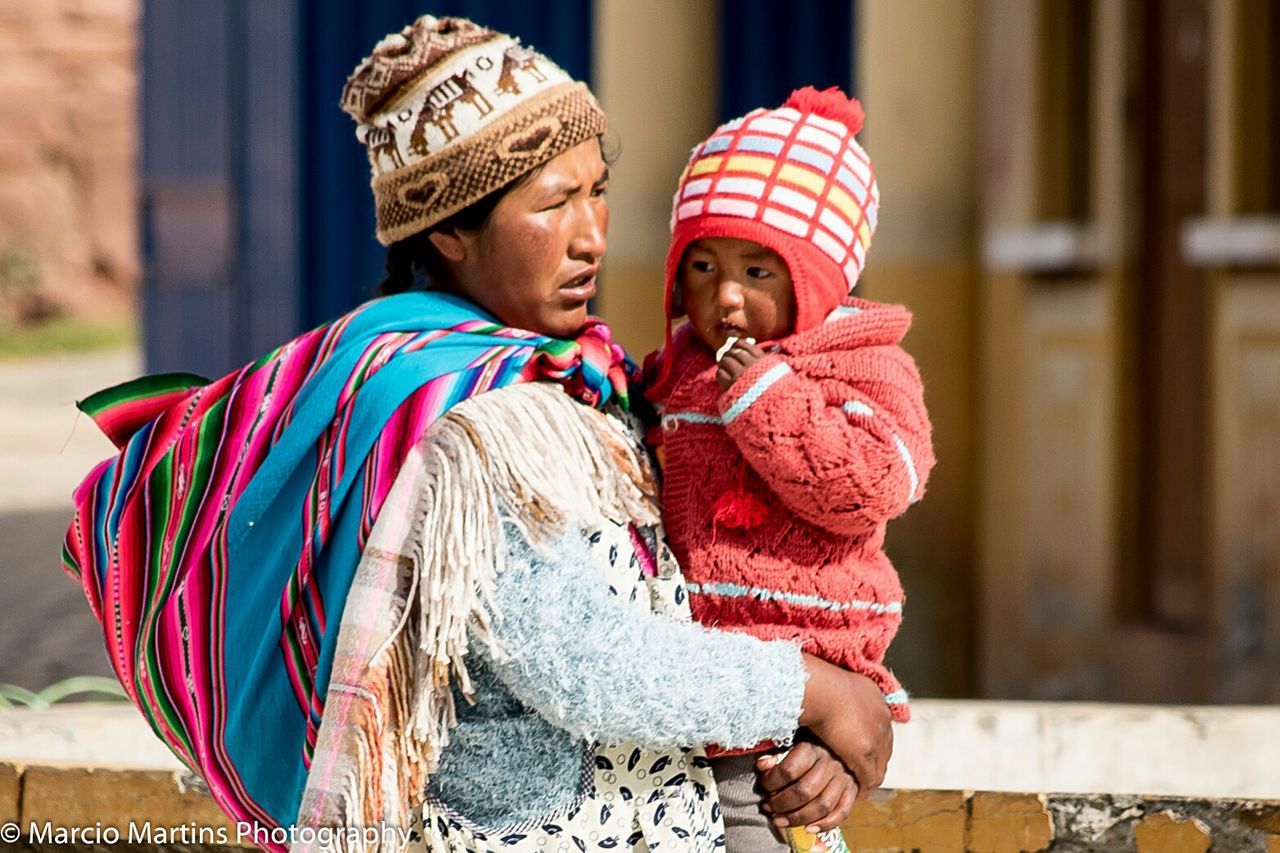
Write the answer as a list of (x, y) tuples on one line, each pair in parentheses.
[(807, 787), (735, 362)]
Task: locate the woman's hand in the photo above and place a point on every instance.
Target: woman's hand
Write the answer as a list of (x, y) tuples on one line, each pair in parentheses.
[(807, 787), (847, 712), (735, 362)]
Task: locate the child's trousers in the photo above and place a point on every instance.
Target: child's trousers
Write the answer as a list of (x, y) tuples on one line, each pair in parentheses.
[(747, 828)]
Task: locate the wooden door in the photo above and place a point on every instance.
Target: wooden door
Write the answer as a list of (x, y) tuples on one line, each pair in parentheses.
[(1055, 188), (1237, 244), (1131, 372)]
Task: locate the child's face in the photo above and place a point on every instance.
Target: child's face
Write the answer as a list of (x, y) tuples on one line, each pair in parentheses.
[(736, 288)]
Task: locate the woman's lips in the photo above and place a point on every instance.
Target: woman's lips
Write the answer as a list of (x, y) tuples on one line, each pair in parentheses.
[(580, 289)]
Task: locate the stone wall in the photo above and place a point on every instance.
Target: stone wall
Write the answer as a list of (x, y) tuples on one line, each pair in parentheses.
[(127, 809), (68, 150), (1000, 822)]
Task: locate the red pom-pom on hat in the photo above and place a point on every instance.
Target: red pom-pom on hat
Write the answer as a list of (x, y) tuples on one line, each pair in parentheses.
[(828, 103)]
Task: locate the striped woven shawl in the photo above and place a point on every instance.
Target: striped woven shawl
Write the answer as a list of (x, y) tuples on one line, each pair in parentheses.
[(217, 548)]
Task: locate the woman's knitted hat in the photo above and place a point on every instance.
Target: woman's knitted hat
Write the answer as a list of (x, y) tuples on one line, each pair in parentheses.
[(792, 179), (451, 111)]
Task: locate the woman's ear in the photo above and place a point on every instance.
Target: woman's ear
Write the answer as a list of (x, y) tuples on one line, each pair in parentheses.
[(449, 244)]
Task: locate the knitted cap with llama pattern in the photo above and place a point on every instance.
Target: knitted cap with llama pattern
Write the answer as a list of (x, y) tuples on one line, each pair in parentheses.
[(792, 179), (450, 111)]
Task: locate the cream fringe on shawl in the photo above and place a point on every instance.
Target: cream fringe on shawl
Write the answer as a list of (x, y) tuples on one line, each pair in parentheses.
[(526, 455)]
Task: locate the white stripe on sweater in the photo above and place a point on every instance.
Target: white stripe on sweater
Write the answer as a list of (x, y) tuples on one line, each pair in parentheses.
[(912, 497), (672, 420), (756, 390), (734, 590), (857, 407)]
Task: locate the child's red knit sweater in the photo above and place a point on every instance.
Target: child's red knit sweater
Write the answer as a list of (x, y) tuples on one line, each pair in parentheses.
[(835, 438)]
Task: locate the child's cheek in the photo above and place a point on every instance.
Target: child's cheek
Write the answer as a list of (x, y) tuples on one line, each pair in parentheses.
[(700, 316)]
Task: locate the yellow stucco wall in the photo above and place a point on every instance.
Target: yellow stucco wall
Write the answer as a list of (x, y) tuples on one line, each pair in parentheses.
[(655, 72)]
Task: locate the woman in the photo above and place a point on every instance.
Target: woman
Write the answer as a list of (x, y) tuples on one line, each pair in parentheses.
[(304, 566)]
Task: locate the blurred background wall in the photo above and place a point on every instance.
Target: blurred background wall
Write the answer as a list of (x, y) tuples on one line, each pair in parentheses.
[(68, 158), (1081, 205)]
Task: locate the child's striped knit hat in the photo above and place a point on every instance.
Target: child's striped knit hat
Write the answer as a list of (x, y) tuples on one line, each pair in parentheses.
[(792, 179)]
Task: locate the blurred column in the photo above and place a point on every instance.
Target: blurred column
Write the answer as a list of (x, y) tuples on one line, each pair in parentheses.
[(918, 71), (220, 219), (655, 72), (769, 48), (188, 195)]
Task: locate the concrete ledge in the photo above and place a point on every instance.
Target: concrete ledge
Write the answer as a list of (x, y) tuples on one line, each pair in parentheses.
[(95, 808), (87, 734), (909, 820), (158, 810), (1076, 747), (966, 776), (1089, 747)]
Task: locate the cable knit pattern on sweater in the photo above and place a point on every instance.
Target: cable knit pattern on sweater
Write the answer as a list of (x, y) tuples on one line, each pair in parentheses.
[(830, 432)]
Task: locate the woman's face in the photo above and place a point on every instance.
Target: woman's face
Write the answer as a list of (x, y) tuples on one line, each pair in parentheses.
[(533, 263)]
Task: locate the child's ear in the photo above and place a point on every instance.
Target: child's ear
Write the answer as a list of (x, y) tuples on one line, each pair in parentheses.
[(677, 301)]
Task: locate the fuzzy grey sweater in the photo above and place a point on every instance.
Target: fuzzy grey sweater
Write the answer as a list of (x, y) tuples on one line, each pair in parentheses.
[(580, 665)]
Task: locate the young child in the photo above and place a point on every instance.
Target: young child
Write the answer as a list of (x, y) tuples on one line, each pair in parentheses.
[(793, 423)]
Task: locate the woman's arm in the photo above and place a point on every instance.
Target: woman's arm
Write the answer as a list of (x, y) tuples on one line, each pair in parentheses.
[(604, 669), (848, 713)]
